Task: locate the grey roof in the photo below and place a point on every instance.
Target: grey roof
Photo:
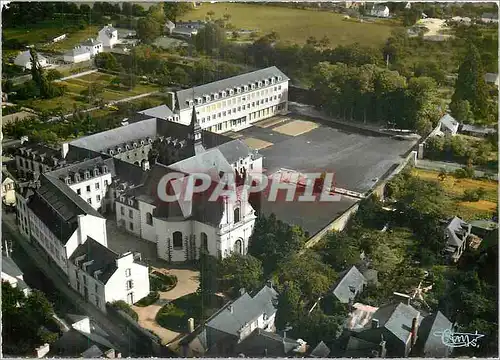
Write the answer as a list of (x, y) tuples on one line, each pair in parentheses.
[(160, 112), (39, 149), (25, 57), (232, 82), (74, 343), (129, 173), (359, 348), (109, 30), (184, 30), (234, 150), (262, 343), (79, 50), (455, 227), (91, 42), (478, 129), (396, 318), (245, 309), (491, 77), (58, 207), (111, 138), (379, 7), (74, 318), (104, 259), (449, 122), (210, 161), (490, 15), (321, 350), (484, 224), (348, 286), (9, 267), (169, 24), (89, 165), (428, 344), (92, 352)]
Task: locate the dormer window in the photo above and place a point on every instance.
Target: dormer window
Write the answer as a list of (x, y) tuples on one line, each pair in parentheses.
[(272, 80), (96, 172), (131, 202), (207, 98), (135, 144), (76, 176), (231, 92), (199, 101), (279, 78), (238, 90), (67, 180), (86, 175), (170, 118), (127, 147), (122, 198), (111, 152), (104, 169), (119, 150), (216, 96), (142, 143), (266, 82), (223, 94), (252, 86), (259, 84), (245, 88)]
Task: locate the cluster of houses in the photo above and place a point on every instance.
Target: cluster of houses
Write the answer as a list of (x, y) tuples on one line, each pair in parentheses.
[(107, 38)]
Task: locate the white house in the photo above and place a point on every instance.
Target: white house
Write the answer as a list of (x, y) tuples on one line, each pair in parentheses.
[(491, 78), (77, 55), (8, 191), (489, 18), (235, 103), (168, 27), (93, 46), (102, 276), (57, 220), (380, 11), (24, 60), (448, 125), (108, 36), (59, 38)]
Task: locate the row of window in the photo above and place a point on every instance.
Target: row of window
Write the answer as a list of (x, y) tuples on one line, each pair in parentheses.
[(236, 90), (238, 100), (96, 186), (239, 108), (177, 242), (33, 165), (130, 147)]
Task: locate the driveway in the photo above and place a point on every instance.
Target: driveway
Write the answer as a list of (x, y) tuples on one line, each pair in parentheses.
[(187, 284)]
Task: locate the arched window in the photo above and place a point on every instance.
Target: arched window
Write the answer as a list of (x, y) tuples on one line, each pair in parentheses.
[(236, 215), (149, 219), (204, 241), (177, 240), (238, 246)]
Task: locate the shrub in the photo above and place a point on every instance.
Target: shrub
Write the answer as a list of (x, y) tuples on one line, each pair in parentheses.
[(162, 282), (473, 194), (172, 317), (123, 306), (152, 297)]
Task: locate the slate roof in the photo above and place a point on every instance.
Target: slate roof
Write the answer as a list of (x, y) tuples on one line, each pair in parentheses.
[(428, 344), (321, 350), (74, 343), (396, 318), (245, 310), (104, 259), (449, 122), (232, 82), (262, 343), (109, 30), (478, 129), (234, 150), (74, 318), (77, 51), (25, 57), (484, 224), (352, 279), (82, 166), (39, 149), (10, 268), (359, 348), (58, 207), (160, 112), (455, 227), (91, 42), (129, 173), (489, 16)]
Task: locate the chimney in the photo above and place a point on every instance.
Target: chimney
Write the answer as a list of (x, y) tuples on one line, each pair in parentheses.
[(24, 139), (242, 291), (374, 323), (231, 309), (97, 273), (145, 165), (171, 100), (191, 325), (414, 330), (269, 283), (64, 150), (406, 299), (382, 351), (42, 350)]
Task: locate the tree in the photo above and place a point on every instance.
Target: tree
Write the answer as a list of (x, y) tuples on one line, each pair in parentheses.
[(137, 10), (129, 80), (148, 29), (156, 13), (471, 85), (316, 327), (174, 10), (93, 91), (209, 274), (127, 8), (53, 74), (339, 250), (210, 38), (210, 14), (462, 111), (236, 35), (290, 306), (107, 61), (241, 271), (180, 76)]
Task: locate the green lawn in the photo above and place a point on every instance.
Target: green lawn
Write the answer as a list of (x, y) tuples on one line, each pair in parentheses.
[(74, 39), (295, 25)]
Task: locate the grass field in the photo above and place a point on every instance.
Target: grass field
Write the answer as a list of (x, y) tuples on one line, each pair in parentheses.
[(455, 188), (77, 85), (295, 25)]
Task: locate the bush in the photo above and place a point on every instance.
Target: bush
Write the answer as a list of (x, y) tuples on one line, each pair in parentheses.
[(172, 317), (152, 297), (463, 173), (473, 194), (162, 282), (123, 306)]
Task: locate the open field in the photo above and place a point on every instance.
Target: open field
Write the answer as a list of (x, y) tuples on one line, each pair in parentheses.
[(295, 25), (455, 188)]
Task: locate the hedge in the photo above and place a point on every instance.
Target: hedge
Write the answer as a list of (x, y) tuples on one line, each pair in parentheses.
[(152, 297), (162, 282), (123, 306)]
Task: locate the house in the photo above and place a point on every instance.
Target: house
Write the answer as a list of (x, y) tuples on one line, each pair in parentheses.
[(429, 344), (477, 131), (168, 27), (8, 191), (57, 220), (59, 38), (320, 351), (235, 103), (184, 31), (461, 20), (261, 343), (351, 284), (448, 125), (489, 18), (483, 228), (392, 330), (102, 276), (491, 78), (12, 274), (77, 55), (82, 341), (380, 11), (24, 60), (93, 46), (231, 325), (456, 233), (108, 36)]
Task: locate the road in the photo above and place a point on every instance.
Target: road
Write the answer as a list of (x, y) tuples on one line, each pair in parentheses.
[(449, 167), (117, 336)]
